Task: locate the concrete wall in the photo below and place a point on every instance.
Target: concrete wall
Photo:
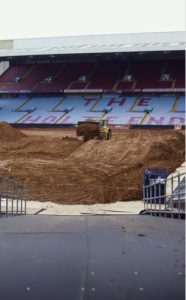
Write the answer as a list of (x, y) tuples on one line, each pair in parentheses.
[(4, 65)]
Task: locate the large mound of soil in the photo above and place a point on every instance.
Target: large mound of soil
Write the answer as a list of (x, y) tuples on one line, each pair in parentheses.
[(65, 170), (9, 133)]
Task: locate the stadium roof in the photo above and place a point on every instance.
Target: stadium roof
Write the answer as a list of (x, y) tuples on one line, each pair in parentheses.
[(113, 43)]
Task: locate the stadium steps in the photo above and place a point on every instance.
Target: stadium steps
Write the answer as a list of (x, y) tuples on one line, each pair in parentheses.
[(116, 85), (91, 74), (163, 69), (23, 104), (173, 84), (134, 105), (61, 118), (134, 84), (58, 104), (35, 86), (95, 104), (61, 69), (24, 116), (119, 80), (144, 119), (28, 72), (175, 104), (70, 85)]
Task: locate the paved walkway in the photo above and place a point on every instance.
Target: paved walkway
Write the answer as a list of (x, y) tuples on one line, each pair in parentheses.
[(116, 257)]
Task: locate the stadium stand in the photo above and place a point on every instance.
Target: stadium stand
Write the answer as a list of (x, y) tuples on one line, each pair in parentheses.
[(90, 75), (68, 109), (131, 79)]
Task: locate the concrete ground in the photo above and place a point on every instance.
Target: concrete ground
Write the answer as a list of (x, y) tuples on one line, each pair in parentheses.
[(111, 257)]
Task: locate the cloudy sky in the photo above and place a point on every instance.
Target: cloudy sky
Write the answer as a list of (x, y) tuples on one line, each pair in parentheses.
[(44, 18)]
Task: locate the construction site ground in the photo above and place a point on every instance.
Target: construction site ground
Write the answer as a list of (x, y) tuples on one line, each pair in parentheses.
[(58, 167)]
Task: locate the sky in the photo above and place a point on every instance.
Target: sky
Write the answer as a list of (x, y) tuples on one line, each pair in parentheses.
[(48, 18)]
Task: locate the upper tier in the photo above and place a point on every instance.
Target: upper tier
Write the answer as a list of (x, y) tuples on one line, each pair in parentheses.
[(111, 76)]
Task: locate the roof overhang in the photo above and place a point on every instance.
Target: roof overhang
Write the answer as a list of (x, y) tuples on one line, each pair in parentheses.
[(114, 43)]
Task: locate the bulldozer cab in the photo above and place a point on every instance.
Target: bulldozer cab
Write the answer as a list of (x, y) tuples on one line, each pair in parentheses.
[(105, 131), (103, 123)]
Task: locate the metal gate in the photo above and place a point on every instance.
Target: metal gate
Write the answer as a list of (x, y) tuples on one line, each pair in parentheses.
[(166, 196), (13, 197)]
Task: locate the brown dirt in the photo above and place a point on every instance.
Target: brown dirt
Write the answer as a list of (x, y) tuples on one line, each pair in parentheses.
[(8, 133), (58, 167)]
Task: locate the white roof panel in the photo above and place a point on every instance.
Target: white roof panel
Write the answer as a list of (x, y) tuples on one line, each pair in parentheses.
[(130, 42)]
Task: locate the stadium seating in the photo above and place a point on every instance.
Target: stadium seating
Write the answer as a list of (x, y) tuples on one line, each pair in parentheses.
[(90, 75), (141, 109), (131, 76), (106, 75), (177, 69)]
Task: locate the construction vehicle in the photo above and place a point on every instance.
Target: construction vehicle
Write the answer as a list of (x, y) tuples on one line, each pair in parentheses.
[(91, 129)]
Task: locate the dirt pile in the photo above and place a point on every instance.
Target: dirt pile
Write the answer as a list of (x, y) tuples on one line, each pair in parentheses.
[(9, 133), (65, 170), (161, 151)]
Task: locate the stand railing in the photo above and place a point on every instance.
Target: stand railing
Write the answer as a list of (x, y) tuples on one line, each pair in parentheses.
[(166, 195), (13, 197)]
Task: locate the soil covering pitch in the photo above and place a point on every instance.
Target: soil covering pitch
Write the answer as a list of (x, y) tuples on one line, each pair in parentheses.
[(58, 167)]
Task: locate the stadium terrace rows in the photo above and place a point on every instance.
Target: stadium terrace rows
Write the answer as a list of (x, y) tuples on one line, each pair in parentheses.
[(112, 76), (119, 110)]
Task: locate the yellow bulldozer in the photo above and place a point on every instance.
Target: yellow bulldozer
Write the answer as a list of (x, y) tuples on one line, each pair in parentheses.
[(91, 129)]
